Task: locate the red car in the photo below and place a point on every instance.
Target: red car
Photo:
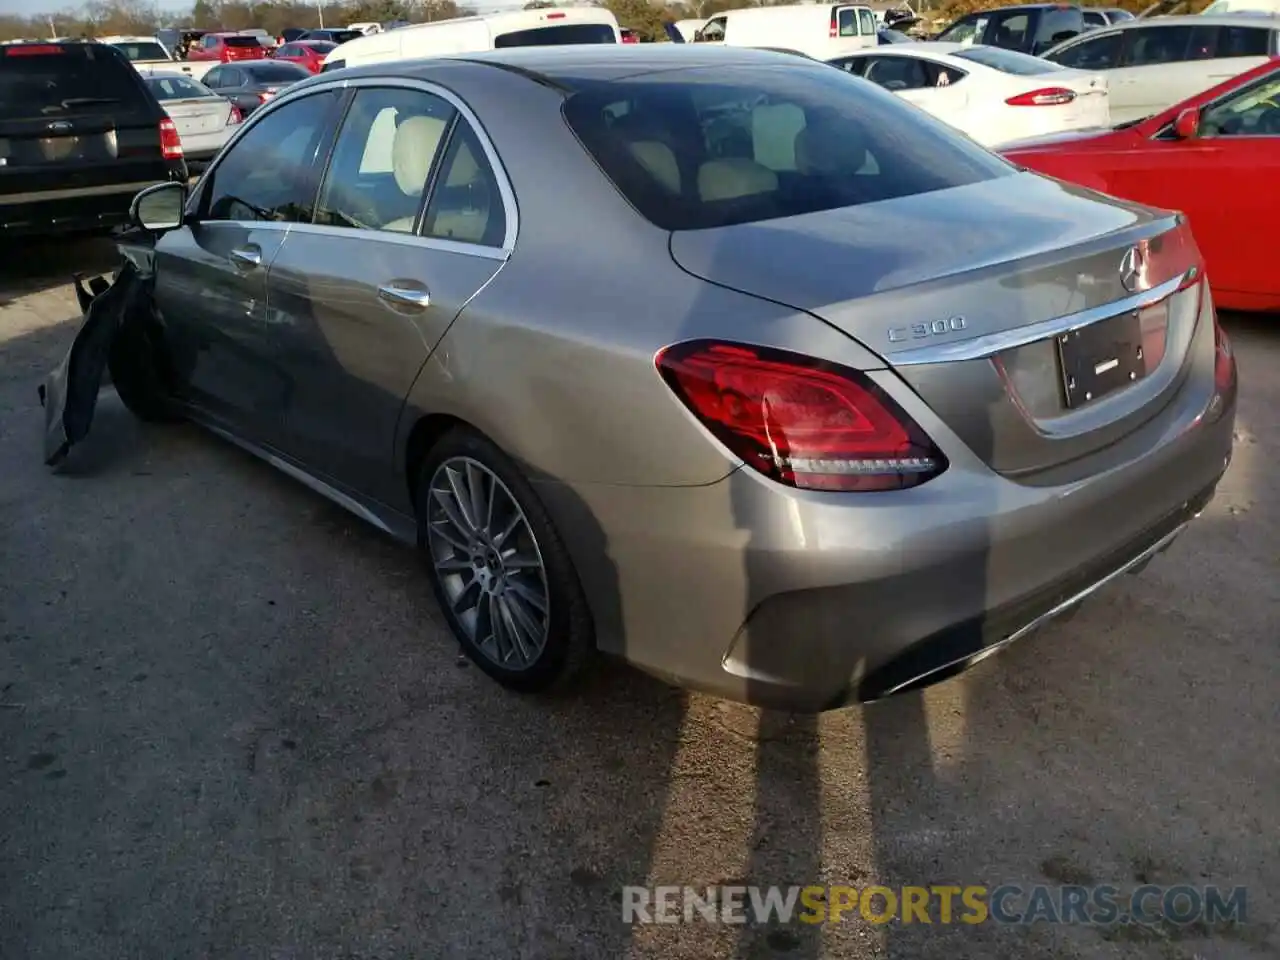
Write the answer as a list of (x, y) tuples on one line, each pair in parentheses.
[(1215, 157), (225, 47), (628, 36), (305, 53)]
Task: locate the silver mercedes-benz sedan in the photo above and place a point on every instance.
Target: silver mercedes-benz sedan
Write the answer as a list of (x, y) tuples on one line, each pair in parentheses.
[(732, 365)]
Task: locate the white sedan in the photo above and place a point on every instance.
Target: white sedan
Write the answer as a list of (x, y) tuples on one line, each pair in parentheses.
[(205, 121), (993, 95)]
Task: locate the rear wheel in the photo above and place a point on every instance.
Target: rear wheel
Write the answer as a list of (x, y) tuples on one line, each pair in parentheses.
[(499, 569)]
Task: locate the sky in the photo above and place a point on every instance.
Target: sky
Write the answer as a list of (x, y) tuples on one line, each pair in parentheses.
[(28, 8)]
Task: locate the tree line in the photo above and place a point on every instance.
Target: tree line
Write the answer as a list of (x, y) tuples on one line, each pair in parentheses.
[(143, 18)]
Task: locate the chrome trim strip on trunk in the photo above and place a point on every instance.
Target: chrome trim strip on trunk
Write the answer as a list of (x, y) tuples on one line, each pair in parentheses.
[(981, 348)]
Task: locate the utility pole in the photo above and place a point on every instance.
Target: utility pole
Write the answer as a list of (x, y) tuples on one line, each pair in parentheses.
[(320, 12)]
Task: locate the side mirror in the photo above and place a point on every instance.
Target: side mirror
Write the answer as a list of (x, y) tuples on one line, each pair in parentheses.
[(159, 207), (1187, 126)]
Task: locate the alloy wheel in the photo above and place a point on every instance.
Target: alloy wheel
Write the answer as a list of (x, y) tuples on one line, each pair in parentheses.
[(488, 563)]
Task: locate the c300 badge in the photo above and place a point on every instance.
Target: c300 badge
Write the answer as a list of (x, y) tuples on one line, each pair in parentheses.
[(922, 331)]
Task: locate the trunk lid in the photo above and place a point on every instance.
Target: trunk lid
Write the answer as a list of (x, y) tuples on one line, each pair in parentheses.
[(198, 114), (963, 292)]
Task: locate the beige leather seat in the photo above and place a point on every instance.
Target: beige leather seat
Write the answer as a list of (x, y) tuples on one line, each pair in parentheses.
[(659, 160), (414, 148), (734, 177), (467, 223)]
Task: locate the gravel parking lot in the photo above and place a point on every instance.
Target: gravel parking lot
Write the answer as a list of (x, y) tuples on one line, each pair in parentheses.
[(233, 725)]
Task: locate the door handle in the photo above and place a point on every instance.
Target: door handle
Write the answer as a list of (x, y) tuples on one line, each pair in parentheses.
[(403, 296), (246, 256)]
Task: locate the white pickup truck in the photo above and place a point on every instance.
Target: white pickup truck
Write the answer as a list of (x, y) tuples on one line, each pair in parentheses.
[(148, 55)]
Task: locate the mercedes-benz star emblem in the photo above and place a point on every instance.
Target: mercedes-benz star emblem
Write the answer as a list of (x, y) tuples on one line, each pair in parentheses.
[(1131, 265)]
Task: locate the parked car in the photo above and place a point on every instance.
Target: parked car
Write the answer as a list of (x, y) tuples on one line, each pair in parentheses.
[(251, 83), (205, 120), (290, 34), (179, 40), (628, 36), (1030, 28), (777, 478), (226, 47), (1105, 16), (993, 95), (1215, 156), (79, 135), (148, 54), (821, 30), (495, 31), (308, 54), (332, 36), (1153, 64)]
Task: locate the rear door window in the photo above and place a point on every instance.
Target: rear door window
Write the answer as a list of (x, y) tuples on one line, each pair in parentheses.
[(1149, 46), (897, 73), (867, 22), (847, 20), (572, 33), (1010, 30), (52, 81), (698, 148), (1054, 27)]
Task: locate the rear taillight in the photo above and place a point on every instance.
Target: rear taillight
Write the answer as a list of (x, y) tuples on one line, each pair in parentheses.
[(1168, 256), (170, 142), (834, 30), (800, 421), (31, 50), (1044, 97), (235, 116)]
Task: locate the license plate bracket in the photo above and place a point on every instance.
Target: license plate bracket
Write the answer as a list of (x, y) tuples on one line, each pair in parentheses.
[(1101, 358)]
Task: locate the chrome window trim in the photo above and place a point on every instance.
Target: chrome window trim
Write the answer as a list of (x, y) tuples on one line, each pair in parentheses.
[(985, 347), (308, 88)]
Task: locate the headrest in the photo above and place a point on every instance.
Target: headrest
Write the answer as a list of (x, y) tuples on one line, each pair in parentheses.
[(412, 151), (659, 160), (734, 177), (829, 147)]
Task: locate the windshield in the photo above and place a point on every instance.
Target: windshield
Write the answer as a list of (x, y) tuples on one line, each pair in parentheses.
[(699, 148), (65, 81), (143, 51), (177, 88), (277, 72), (555, 36), (1008, 61)]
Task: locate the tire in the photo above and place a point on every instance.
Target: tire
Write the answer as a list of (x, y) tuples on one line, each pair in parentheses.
[(568, 641), (141, 374)]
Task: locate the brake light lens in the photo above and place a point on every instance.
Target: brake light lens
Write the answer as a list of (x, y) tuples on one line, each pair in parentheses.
[(802, 422), (170, 142), (235, 116), (554, 16), (31, 50), (834, 30), (1044, 97)]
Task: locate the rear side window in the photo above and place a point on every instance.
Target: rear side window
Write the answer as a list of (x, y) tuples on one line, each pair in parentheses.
[(1056, 26), (572, 33), (699, 148), (1008, 61), (1244, 42), (53, 81), (1153, 45), (1011, 30)]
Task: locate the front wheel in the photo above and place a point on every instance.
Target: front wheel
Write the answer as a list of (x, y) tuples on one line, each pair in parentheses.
[(499, 569)]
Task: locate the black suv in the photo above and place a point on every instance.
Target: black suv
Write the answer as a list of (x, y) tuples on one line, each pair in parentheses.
[(1032, 28), (80, 134)]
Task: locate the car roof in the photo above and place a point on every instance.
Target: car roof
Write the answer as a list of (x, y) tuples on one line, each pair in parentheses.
[(1193, 20), (168, 75)]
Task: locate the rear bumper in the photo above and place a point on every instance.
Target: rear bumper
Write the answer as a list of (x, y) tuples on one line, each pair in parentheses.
[(73, 209), (807, 601)]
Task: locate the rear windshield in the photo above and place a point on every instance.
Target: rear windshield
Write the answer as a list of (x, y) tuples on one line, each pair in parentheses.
[(319, 46), (555, 36), (699, 148), (1008, 61), (241, 41), (177, 88), (336, 36), (83, 78), (277, 72), (143, 51)]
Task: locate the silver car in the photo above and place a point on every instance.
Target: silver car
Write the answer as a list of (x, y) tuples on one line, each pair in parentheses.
[(735, 366)]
